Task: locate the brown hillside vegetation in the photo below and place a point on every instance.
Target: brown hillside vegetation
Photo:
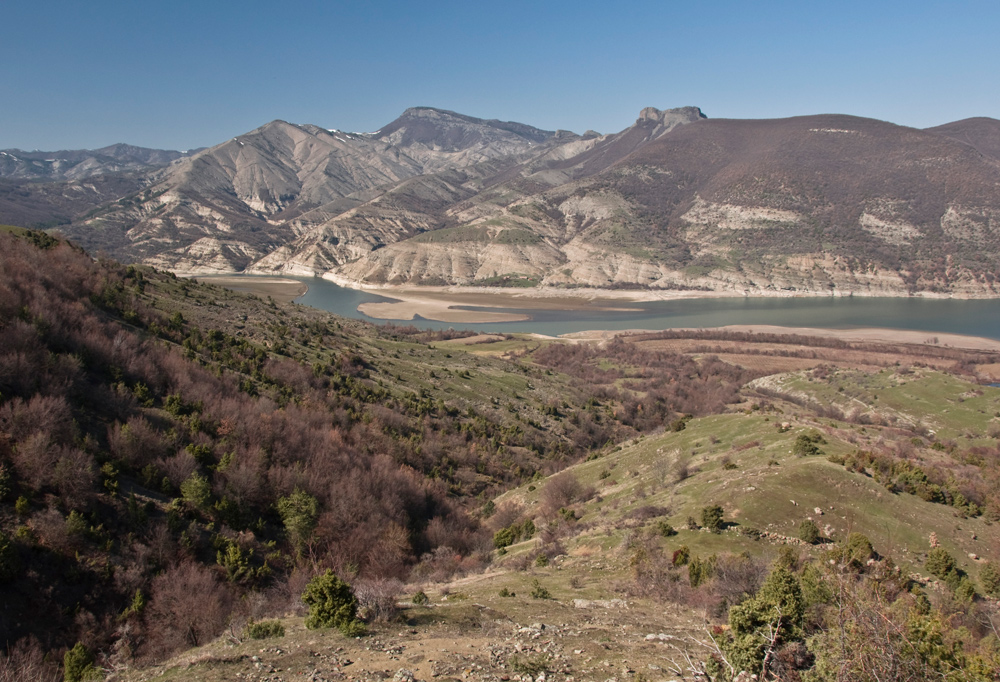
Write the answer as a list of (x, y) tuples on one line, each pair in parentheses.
[(830, 169), (981, 133), (178, 462), (174, 470)]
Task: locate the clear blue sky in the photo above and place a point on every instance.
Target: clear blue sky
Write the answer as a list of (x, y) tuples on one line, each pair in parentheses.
[(187, 74)]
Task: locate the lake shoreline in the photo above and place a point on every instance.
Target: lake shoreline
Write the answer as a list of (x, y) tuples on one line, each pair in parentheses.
[(859, 335), (485, 305), (561, 311), (451, 303)]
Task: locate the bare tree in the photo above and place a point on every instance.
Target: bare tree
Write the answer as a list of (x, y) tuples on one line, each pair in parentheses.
[(189, 606)]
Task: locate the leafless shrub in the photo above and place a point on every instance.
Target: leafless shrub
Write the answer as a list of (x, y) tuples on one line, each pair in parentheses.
[(562, 490), (438, 566), (188, 607), (506, 514), (35, 458), (253, 606), (377, 599), (655, 577), (457, 532), (647, 512), (682, 469), (293, 588), (524, 561), (50, 528), (25, 661), (737, 577), (136, 443), (41, 414), (552, 549), (74, 475), (178, 467)]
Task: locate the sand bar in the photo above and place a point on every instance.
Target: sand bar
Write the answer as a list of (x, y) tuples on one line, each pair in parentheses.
[(445, 305), (441, 311), (280, 289)]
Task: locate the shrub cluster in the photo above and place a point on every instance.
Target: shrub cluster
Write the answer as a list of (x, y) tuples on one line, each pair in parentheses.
[(332, 604), (515, 532)]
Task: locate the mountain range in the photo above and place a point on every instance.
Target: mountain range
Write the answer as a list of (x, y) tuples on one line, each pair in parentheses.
[(826, 204)]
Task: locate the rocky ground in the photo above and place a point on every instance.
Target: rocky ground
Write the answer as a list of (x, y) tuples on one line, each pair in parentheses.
[(454, 638)]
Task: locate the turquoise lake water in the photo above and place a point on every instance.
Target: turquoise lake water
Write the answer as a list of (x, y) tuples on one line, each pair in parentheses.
[(975, 318)]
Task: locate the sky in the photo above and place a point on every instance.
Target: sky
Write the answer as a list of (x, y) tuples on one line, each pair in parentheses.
[(181, 75)]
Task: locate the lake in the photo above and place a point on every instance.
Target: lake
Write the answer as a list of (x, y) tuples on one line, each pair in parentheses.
[(969, 317)]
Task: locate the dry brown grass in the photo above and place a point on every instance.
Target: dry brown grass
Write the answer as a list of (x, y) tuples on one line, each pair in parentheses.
[(991, 371), (769, 364), (773, 357)]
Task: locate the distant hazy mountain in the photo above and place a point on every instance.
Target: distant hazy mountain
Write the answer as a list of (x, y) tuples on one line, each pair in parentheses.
[(78, 164), (820, 204), (44, 189), (45, 204)]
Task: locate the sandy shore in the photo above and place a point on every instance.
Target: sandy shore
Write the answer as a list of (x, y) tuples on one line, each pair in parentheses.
[(408, 309), (441, 304), (444, 304), (280, 289), (867, 335)]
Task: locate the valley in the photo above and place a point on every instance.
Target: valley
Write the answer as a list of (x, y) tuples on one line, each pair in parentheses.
[(593, 593), (193, 456), (461, 342), (692, 399)]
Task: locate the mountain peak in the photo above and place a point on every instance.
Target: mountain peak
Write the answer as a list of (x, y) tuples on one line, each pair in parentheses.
[(671, 117), (434, 112), (448, 130)]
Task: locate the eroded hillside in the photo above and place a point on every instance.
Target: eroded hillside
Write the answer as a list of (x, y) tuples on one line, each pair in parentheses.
[(813, 205)]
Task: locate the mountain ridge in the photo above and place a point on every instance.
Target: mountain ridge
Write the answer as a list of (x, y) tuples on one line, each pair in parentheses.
[(78, 164), (820, 204)]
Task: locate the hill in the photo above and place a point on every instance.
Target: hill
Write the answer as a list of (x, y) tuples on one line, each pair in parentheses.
[(48, 189), (161, 435), (821, 205), (981, 133), (640, 560), (79, 164), (178, 461)]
